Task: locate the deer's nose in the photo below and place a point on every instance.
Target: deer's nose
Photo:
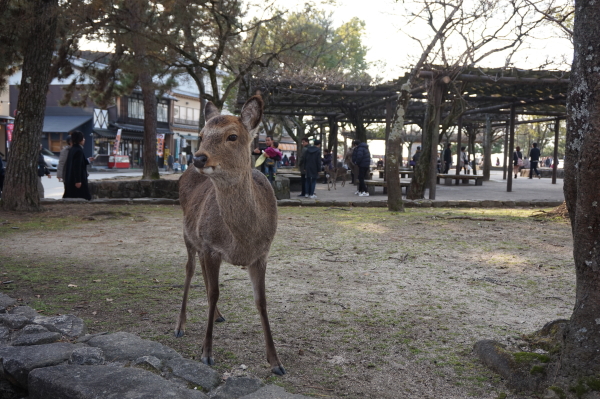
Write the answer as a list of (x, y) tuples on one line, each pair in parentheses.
[(200, 161)]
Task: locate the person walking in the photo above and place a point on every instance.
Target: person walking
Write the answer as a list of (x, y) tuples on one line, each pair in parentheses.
[(464, 160), (348, 161), (361, 157), (517, 160), (292, 160), (62, 159), (534, 158), (447, 158), (301, 159), (312, 167), (415, 158), (42, 170), (75, 174)]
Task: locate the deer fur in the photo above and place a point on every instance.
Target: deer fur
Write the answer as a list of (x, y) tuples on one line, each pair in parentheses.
[(230, 214)]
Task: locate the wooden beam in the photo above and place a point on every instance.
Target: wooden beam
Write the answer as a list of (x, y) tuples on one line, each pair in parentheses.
[(500, 80)]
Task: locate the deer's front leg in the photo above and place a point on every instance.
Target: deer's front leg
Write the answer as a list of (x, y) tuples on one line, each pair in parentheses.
[(211, 263), (218, 317), (257, 276), (190, 267)]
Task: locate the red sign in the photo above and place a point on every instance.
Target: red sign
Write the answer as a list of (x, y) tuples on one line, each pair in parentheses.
[(160, 142), (9, 131)]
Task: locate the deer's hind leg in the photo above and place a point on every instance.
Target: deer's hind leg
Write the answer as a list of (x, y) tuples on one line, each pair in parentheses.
[(257, 276), (211, 263), (190, 267)]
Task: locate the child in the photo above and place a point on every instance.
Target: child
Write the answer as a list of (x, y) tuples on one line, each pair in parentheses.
[(176, 166), (273, 155)]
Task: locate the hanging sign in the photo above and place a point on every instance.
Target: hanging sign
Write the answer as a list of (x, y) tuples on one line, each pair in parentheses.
[(160, 142), (9, 131), (117, 142)]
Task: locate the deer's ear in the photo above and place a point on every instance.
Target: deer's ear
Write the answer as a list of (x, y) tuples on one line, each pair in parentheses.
[(210, 111), (252, 113)]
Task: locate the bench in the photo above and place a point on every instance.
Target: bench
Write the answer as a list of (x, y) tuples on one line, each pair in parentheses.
[(371, 184), (464, 179), (403, 173)]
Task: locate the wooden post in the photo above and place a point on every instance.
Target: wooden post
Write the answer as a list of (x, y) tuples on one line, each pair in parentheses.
[(438, 87), (504, 166), (388, 129), (511, 145), (458, 144), (487, 149), (555, 160)]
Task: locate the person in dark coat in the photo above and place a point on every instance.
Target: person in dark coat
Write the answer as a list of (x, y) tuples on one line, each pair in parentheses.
[(361, 157), (534, 157), (75, 174), (312, 167), (447, 158), (301, 158)]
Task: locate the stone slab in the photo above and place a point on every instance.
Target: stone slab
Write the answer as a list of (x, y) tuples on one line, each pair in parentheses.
[(236, 387), (106, 382), (122, 346), (19, 361), (67, 324), (194, 373)]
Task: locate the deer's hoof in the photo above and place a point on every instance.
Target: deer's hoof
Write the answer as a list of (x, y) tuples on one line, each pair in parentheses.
[(209, 361), (220, 319), (279, 370), (179, 333)]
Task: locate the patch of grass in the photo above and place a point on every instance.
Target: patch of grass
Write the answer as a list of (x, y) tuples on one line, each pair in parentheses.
[(529, 357)]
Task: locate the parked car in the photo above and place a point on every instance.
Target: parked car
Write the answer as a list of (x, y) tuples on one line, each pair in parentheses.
[(50, 159)]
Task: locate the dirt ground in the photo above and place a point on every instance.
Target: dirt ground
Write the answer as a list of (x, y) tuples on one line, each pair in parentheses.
[(363, 303)]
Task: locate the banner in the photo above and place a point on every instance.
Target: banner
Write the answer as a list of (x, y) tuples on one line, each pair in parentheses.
[(9, 131), (160, 142), (117, 142)]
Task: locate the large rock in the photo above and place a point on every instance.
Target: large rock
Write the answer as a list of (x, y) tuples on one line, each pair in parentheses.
[(273, 392), (13, 321), (6, 302), (236, 387), (105, 382), (33, 334), (194, 373), (122, 346), (18, 362), (87, 356), (26, 311), (4, 335), (67, 324)]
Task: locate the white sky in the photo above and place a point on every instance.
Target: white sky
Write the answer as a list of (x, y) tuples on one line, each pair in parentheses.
[(388, 45)]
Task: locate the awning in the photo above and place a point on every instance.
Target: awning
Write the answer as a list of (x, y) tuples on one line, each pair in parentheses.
[(125, 135), (287, 147), (138, 128), (188, 137), (64, 124)]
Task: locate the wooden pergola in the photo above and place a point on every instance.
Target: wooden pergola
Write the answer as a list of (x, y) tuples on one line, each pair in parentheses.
[(472, 97)]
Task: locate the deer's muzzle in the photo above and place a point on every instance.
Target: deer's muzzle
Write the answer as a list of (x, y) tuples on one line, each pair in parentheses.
[(200, 161)]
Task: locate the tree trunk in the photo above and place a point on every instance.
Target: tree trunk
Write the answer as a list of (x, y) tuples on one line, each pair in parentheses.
[(487, 149), (437, 94), (582, 192), (20, 187), (421, 175), (150, 102)]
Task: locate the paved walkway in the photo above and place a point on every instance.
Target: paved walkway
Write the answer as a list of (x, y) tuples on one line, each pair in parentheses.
[(523, 189)]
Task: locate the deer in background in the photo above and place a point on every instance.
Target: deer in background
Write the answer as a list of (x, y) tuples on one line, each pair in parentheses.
[(230, 214), (332, 175)]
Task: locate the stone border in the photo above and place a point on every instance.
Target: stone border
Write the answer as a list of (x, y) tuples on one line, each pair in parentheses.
[(333, 203)]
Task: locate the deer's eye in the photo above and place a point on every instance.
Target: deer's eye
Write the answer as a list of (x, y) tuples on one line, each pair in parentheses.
[(232, 137)]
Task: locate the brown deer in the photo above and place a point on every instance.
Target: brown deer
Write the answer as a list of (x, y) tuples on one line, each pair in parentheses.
[(230, 214), (332, 175)]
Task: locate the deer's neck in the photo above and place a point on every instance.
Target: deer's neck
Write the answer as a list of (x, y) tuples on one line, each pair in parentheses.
[(240, 206)]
